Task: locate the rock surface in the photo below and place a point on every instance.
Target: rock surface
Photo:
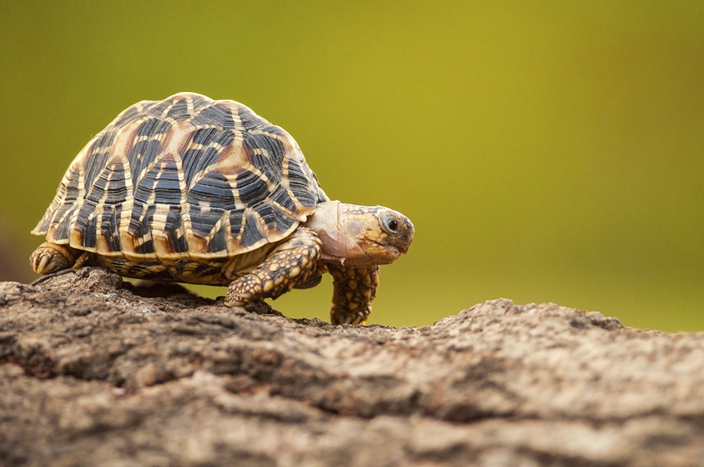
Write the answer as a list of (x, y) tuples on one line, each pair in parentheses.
[(97, 372)]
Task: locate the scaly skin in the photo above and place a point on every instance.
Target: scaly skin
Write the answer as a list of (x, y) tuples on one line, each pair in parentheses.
[(292, 263), (354, 290)]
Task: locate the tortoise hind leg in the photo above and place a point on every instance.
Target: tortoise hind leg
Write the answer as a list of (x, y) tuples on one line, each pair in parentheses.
[(51, 257), (353, 292), (294, 262)]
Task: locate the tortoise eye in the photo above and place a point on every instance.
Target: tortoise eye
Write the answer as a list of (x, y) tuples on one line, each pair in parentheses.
[(390, 224)]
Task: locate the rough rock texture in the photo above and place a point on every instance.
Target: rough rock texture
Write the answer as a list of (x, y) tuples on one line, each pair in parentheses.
[(96, 372)]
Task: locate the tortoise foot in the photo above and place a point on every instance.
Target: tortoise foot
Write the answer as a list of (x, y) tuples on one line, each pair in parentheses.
[(244, 290), (50, 257)]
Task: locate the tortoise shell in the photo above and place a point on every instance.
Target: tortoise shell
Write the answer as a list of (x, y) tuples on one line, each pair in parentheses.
[(184, 179)]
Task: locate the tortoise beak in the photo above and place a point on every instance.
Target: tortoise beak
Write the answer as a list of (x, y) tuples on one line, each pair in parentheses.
[(407, 237)]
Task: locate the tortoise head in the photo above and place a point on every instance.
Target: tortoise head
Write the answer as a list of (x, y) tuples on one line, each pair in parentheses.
[(361, 236)]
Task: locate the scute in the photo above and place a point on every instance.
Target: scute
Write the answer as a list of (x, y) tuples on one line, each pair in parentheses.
[(213, 189), (186, 177), (219, 115), (251, 188)]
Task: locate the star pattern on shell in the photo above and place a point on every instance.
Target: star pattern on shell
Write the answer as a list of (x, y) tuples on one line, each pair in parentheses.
[(186, 177)]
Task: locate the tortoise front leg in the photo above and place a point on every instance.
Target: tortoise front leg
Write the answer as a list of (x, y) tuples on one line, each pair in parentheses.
[(51, 257), (291, 263), (354, 290)]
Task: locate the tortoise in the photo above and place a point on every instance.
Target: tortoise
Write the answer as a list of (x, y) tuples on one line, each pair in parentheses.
[(203, 191)]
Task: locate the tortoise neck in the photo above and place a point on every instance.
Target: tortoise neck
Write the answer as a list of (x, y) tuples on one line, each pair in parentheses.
[(338, 244)]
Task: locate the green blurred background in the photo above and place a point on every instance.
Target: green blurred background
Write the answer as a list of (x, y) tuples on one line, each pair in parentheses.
[(546, 151)]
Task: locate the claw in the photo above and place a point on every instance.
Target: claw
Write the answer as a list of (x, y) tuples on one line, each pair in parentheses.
[(248, 287), (240, 300), (43, 261)]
